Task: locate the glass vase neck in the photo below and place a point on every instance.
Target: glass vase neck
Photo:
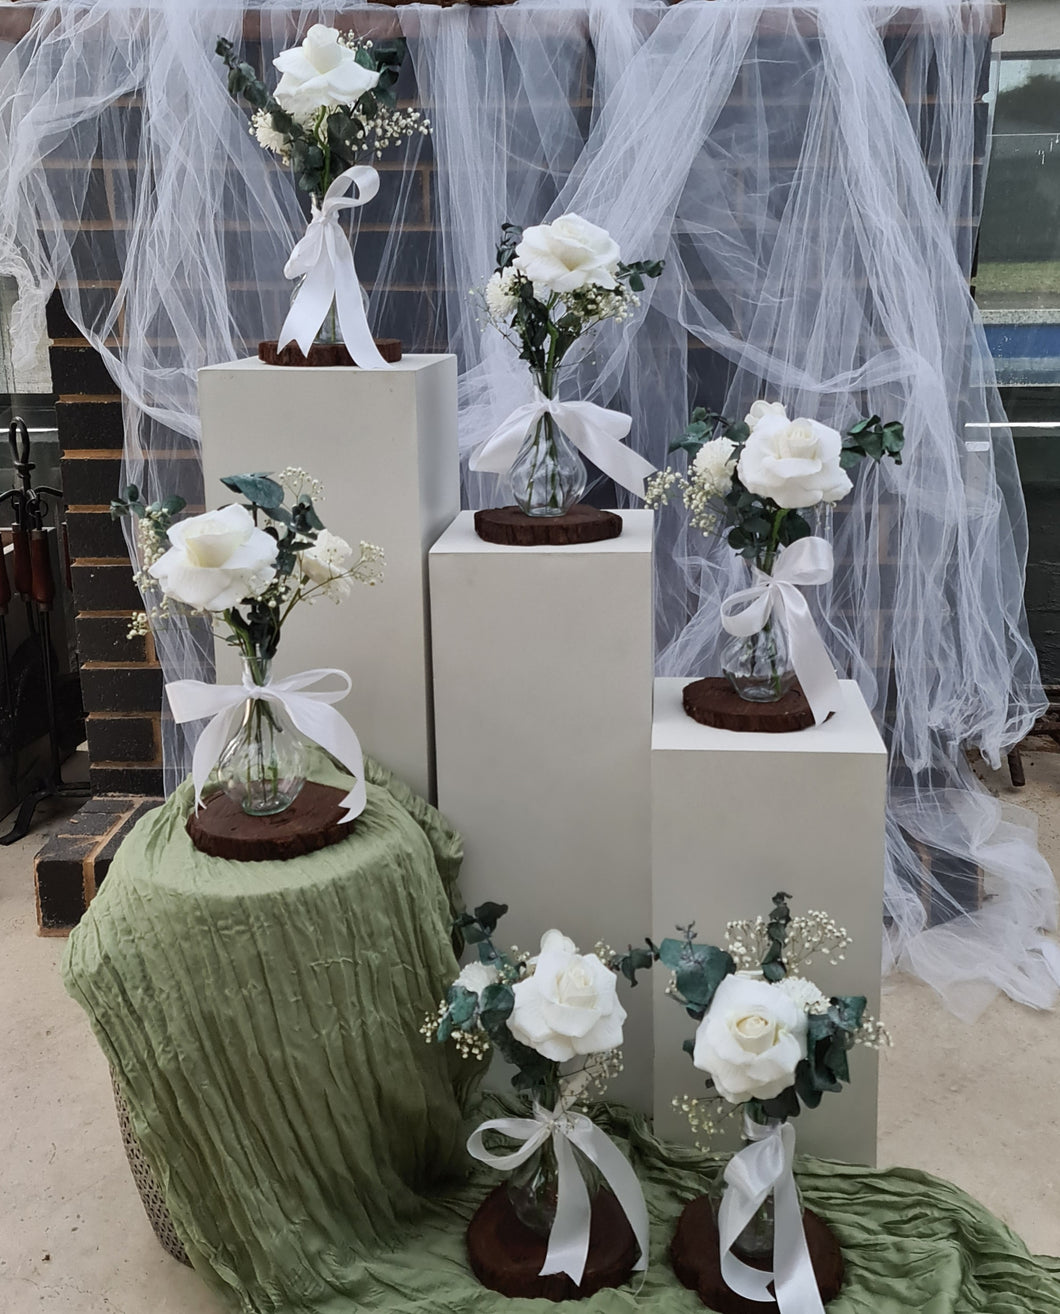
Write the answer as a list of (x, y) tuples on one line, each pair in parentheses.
[(256, 669)]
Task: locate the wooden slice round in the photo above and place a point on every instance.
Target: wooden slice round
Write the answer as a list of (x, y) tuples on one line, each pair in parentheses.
[(324, 353), (507, 1257), (696, 1259), (715, 702), (223, 830), (581, 524)]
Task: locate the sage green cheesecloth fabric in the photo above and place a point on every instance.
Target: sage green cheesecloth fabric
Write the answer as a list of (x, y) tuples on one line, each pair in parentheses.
[(263, 1022)]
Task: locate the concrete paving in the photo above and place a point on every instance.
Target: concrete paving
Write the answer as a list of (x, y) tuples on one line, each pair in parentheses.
[(971, 1103)]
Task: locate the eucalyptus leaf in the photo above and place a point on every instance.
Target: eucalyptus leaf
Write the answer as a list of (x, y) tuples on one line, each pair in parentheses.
[(259, 489)]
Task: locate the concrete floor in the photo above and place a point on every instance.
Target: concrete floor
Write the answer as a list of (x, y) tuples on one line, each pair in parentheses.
[(973, 1104)]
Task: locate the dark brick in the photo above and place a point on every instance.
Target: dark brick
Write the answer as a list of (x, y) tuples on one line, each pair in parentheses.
[(106, 639), (105, 588), (92, 482), (99, 252), (127, 780), (89, 425), (60, 325), (94, 533), (121, 689), (122, 739), (85, 825), (80, 370), (60, 881), (114, 803)]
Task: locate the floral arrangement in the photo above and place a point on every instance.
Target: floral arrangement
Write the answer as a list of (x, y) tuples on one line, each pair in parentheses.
[(754, 478), (768, 1039), (553, 283), (333, 105), (555, 1017), (247, 565)]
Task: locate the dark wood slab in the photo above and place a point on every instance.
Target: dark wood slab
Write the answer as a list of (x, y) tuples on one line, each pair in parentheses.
[(512, 528), (324, 353), (507, 1257), (715, 702), (223, 830), (696, 1258)]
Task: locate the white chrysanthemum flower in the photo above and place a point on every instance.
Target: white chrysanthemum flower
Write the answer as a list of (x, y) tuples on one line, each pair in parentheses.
[(804, 994), (267, 135), (500, 294), (714, 466), (477, 976)]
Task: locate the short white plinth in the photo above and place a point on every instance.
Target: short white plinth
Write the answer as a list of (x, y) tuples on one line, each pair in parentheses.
[(542, 682), (738, 817), (384, 444)]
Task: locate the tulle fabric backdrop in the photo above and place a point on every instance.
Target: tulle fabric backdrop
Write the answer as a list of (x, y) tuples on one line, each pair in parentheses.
[(811, 173)]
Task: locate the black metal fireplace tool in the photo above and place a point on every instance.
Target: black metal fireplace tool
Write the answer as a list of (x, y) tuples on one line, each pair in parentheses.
[(34, 583)]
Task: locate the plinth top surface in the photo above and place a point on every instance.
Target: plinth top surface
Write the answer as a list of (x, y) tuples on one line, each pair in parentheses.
[(851, 730), (636, 537), (406, 365)]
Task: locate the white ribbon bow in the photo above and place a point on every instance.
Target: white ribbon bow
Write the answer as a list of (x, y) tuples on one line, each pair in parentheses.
[(806, 561), (568, 1242), (762, 1167), (596, 431), (194, 700), (325, 257)]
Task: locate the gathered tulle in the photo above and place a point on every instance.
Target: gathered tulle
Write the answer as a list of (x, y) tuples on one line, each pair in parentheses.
[(811, 172)]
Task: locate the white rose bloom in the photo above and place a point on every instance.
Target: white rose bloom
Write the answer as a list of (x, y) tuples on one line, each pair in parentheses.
[(804, 994), (216, 560), (795, 462), (567, 254), (327, 562), (477, 976), (751, 1040), (761, 408), (714, 465), (321, 73), (570, 1004)]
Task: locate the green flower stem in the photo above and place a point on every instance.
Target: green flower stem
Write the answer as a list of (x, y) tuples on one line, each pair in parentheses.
[(765, 563)]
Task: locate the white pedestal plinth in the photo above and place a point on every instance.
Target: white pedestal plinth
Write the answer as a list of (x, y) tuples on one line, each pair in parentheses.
[(384, 444), (542, 684), (737, 817)]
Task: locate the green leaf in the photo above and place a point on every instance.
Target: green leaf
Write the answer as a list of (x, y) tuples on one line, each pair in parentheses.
[(636, 960), (699, 970), (689, 1045), (495, 1006), (489, 914), (173, 505), (784, 1105), (259, 489), (463, 1004)]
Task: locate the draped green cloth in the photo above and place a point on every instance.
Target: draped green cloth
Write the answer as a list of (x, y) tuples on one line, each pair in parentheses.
[(263, 1021)]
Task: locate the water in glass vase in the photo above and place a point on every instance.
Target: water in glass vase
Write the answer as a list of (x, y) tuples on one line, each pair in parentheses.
[(759, 667), (263, 767)]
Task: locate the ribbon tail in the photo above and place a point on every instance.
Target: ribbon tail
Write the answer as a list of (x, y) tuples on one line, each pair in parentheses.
[(809, 657), (210, 746), (349, 302), (598, 433), (794, 1280), (568, 1241), (313, 299), (330, 729), (620, 1177)]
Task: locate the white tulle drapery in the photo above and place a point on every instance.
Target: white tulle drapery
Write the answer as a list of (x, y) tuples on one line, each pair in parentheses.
[(811, 172)]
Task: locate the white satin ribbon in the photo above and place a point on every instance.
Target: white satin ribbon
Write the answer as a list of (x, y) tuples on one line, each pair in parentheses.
[(806, 561), (568, 1242), (761, 1168), (325, 257), (194, 700), (596, 432)]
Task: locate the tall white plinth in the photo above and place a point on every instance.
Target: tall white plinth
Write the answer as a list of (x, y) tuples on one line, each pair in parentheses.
[(384, 444), (542, 687), (737, 817)]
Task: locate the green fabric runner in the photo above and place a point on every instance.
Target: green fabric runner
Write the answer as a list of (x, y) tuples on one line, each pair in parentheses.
[(263, 1020)]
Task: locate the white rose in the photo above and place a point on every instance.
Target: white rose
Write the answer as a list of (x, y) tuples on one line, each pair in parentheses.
[(321, 73), (761, 408), (327, 562), (567, 254), (714, 465), (751, 1040), (795, 462), (570, 1004), (477, 976), (216, 560)]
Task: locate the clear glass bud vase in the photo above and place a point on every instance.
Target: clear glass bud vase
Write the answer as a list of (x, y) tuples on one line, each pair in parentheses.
[(548, 475), (759, 667), (533, 1189), (754, 1245), (263, 768)]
